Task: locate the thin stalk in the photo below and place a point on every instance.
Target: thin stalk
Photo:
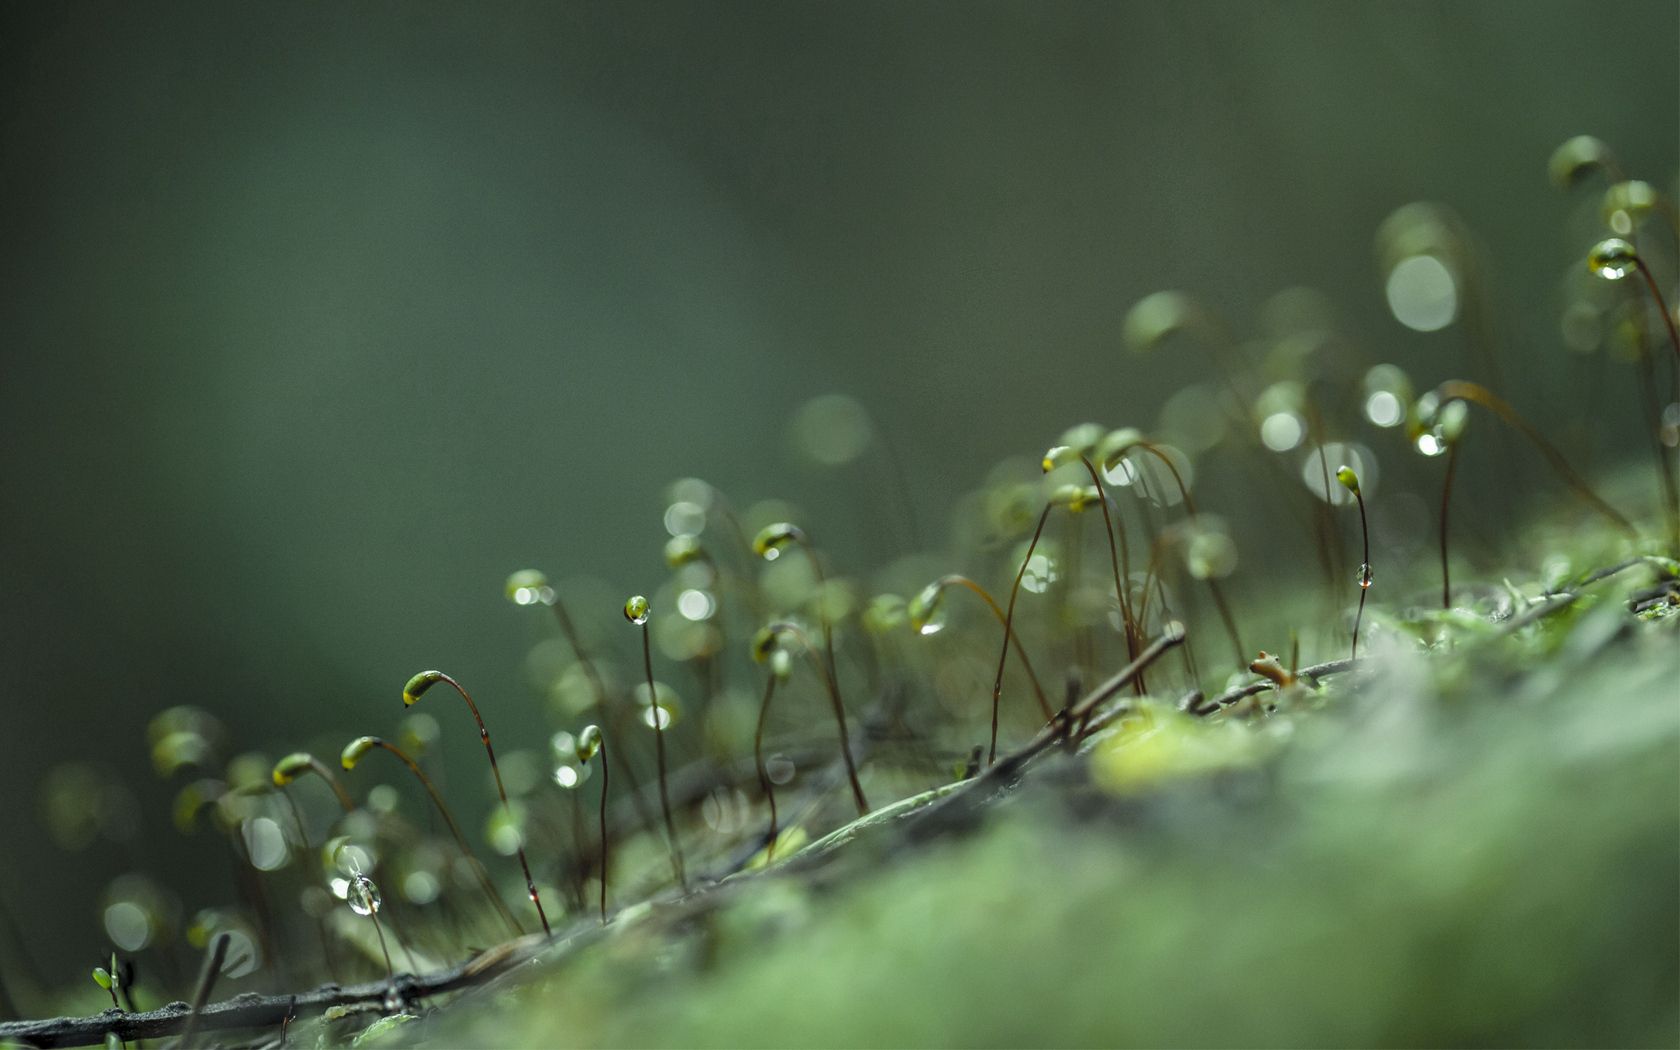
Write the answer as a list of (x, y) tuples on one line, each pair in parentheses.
[(1009, 637), (784, 627), (764, 781), (1009, 631), (1122, 573), (454, 829), (1214, 589), (1446, 493), (833, 675), (1364, 572), (1464, 390), (418, 684), (606, 778), (658, 717)]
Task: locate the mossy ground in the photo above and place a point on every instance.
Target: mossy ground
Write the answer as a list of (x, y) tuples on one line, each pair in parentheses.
[(1475, 842)]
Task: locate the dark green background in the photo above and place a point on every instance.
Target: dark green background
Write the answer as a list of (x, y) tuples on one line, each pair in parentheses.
[(315, 320)]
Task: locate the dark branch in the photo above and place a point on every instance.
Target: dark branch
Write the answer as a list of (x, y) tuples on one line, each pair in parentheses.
[(266, 1011)]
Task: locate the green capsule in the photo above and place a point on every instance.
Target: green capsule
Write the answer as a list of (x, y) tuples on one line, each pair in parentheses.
[(1578, 158), (1075, 497), (355, 749), (771, 539), (1115, 444), (1627, 204), (884, 613), (419, 684), (529, 587), (1348, 478), (102, 977), (1082, 438), (1057, 455), (1613, 259), (764, 643), (291, 767), (588, 743), (1157, 316), (927, 609), (636, 610), (683, 549)]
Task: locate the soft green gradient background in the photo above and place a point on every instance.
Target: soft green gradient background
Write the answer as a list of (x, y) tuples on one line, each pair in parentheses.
[(315, 320)]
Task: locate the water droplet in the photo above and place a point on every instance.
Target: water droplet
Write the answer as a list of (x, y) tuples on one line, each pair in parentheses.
[(1210, 554), (264, 843), (421, 887), (363, 895), (685, 518), (1282, 431), (1364, 576), (696, 605), (1384, 409), (1613, 259), (831, 430), (927, 609), (588, 743), (636, 610), (1422, 293), (529, 587), (780, 768), (1040, 574), (128, 925)]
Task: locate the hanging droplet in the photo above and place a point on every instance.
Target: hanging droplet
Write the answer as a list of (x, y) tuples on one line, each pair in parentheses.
[(529, 587), (363, 895), (636, 610), (771, 539), (1364, 576), (927, 609), (1613, 259)]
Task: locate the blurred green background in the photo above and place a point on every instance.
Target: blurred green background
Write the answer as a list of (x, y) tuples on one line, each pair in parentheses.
[(316, 320)]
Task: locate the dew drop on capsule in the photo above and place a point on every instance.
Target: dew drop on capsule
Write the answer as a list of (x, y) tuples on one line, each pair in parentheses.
[(927, 610), (636, 610), (363, 895), (1613, 259)]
